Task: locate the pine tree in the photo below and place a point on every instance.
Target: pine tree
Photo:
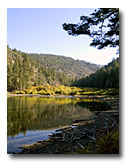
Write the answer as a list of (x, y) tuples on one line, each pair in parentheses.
[(102, 26)]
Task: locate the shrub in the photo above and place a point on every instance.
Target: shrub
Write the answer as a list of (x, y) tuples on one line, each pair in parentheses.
[(48, 92), (19, 92), (109, 144), (58, 91), (28, 91), (74, 92), (34, 92), (41, 92), (39, 88)]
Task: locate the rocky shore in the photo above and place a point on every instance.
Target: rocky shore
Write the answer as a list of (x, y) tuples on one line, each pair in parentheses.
[(94, 136)]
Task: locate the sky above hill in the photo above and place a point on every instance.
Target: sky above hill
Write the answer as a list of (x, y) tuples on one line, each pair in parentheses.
[(39, 30)]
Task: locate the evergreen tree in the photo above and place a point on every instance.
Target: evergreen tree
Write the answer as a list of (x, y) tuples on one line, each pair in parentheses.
[(106, 77), (23, 71), (102, 26)]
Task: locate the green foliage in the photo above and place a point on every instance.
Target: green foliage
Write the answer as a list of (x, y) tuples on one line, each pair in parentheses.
[(18, 70), (32, 76), (72, 68), (109, 143), (106, 77), (24, 71)]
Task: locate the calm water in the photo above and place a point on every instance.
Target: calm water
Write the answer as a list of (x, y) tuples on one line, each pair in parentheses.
[(30, 119)]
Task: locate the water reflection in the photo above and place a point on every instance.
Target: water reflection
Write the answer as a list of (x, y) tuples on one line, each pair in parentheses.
[(38, 113)]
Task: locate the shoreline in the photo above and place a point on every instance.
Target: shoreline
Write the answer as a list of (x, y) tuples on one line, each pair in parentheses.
[(37, 95), (100, 97), (81, 135)]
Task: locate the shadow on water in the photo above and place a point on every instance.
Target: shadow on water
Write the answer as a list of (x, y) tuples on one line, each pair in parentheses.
[(95, 105)]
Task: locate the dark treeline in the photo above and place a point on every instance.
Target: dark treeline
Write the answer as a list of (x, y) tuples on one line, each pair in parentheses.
[(106, 77)]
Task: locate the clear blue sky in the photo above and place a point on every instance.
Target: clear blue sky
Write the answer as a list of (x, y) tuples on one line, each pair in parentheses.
[(39, 30)]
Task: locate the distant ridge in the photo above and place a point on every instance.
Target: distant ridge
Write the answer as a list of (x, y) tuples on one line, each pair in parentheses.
[(72, 68)]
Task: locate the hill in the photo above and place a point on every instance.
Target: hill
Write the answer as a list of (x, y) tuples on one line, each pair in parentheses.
[(24, 70), (106, 77), (72, 68)]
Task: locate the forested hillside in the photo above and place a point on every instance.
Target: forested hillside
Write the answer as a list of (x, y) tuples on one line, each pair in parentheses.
[(24, 70), (72, 68), (106, 77)]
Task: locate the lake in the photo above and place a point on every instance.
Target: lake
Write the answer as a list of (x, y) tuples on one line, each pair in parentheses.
[(30, 119)]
